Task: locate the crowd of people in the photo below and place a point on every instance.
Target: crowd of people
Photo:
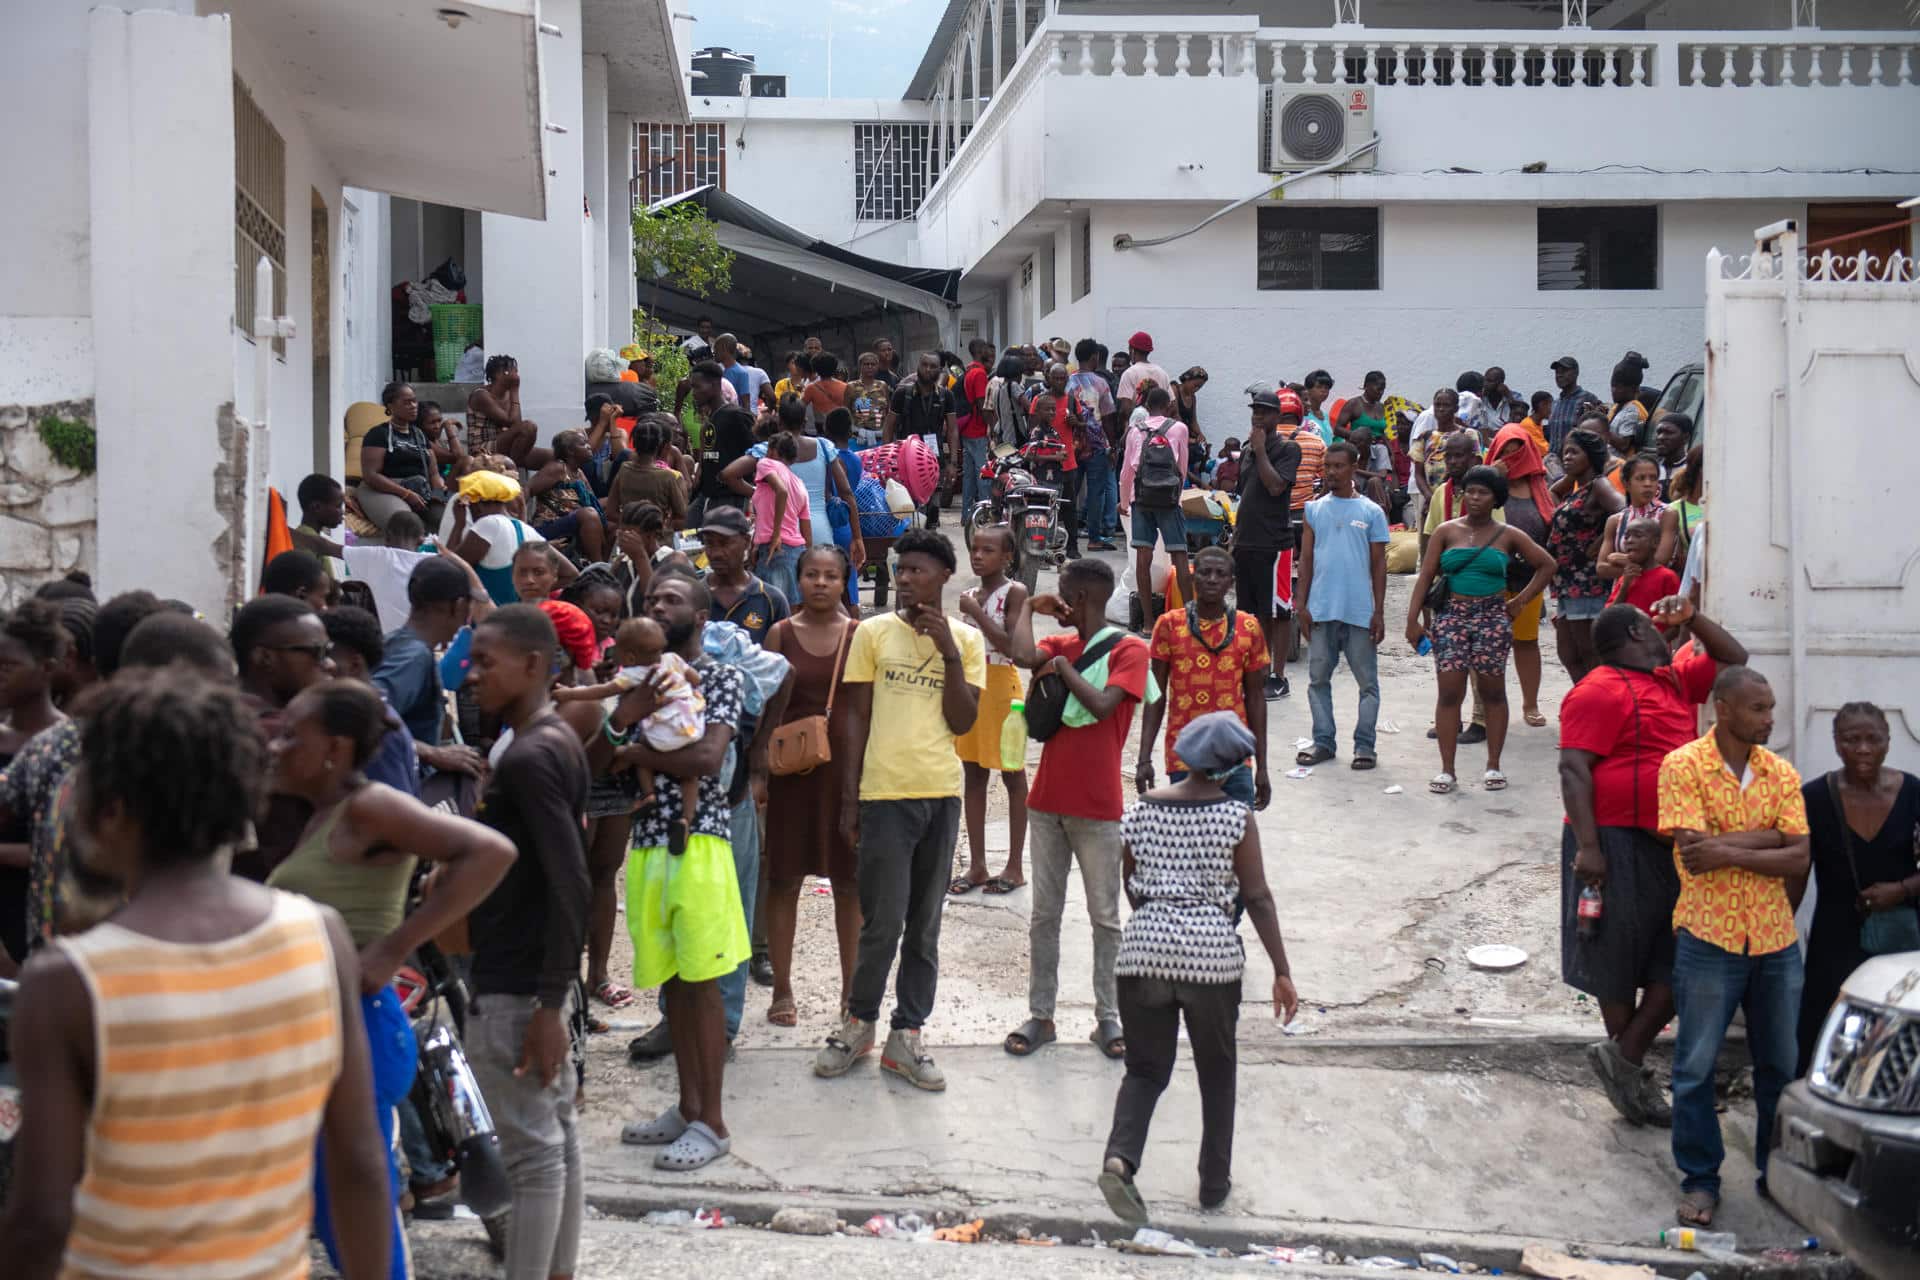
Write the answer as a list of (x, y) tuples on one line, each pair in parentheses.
[(634, 663)]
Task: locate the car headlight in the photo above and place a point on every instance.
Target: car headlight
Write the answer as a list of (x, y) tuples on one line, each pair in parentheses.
[(1868, 1056)]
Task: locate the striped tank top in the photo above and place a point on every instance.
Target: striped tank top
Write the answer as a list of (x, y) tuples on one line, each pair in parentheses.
[(215, 1063)]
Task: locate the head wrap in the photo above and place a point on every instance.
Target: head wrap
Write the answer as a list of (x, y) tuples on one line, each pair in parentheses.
[(634, 351), (575, 630), (1214, 744), (488, 486)]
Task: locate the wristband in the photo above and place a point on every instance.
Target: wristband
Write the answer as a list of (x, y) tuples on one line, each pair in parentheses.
[(622, 738)]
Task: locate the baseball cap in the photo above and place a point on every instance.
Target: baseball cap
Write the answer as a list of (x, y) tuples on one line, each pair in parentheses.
[(1565, 362), (1142, 341), (731, 521), (1060, 347), (1263, 400)]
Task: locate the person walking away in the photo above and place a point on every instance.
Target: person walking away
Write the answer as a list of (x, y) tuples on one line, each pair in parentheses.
[(1343, 566), (1208, 657), (1192, 860), (350, 859), (1093, 405), (820, 466), (1616, 726), (1140, 376), (995, 555), (972, 421), (644, 477), (782, 514), (527, 939), (1574, 540), (1569, 406), (1263, 529), (1076, 803), (33, 644), (902, 807), (809, 840), (827, 391), (1472, 629), (1865, 885), (161, 1127), (1738, 824), (926, 409), (685, 911), (1515, 454), (1153, 475)]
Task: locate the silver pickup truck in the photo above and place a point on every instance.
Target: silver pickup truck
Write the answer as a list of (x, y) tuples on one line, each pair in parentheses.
[(1846, 1158)]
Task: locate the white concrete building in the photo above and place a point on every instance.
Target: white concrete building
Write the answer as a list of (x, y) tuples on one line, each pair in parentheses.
[(1548, 176), (159, 154)]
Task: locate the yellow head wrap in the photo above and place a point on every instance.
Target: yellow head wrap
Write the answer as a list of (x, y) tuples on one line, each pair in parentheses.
[(489, 486), (634, 351)]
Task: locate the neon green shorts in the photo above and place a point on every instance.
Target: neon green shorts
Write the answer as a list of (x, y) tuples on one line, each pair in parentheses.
[(684, 913)]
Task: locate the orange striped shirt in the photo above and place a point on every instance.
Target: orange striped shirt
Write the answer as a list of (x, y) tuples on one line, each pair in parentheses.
[(215, 1064)]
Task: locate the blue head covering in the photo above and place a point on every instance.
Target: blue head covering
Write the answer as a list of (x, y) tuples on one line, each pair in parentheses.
[(1214, 744)]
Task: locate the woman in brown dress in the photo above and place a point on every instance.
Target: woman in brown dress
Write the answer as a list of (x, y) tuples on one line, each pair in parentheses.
[(806, 841)]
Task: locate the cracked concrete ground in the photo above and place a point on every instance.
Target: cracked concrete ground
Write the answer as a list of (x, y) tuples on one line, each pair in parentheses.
[(1417, 1093)]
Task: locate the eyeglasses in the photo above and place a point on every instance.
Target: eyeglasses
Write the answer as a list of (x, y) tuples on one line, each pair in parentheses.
[(318, 652)]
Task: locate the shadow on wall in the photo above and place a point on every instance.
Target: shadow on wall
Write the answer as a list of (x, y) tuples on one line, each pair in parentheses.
[(47, 495)]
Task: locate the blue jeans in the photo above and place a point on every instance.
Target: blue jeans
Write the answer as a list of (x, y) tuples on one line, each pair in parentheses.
[(745, 837), (973, 456), (1238, 784), (1708, 985), (1330, 642), (395, 1055), (783, 571), (1099, 513)]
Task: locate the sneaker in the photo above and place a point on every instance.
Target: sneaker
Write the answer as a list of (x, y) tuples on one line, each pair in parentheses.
[(1277, 688), (906, 1058), (1653, 1101), (853, 1041), (760, 969)]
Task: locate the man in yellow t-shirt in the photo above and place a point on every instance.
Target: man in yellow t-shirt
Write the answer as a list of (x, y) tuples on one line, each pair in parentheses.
[(911, 686)]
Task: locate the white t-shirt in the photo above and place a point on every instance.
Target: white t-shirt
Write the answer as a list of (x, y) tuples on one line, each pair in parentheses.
[(1137, 373), (386, 571), (502, 542)]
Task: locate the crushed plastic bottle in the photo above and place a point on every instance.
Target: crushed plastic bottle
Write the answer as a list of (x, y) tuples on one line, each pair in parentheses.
[(1699, 1241), (1381, 1262), (881, 1225), (668, 1218), (1439, 1262)]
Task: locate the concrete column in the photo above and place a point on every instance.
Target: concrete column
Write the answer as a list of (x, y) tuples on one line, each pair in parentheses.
[(536, 296), (618, 226), (161, 231), (593, 154)]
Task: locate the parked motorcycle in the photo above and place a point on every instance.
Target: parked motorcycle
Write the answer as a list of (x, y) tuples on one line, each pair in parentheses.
[(1023, 493)]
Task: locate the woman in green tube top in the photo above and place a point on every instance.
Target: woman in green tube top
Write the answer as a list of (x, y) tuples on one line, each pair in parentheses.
[(1472, 632)]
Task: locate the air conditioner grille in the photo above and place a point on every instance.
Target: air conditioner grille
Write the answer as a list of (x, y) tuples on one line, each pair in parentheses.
[(1313, 127)]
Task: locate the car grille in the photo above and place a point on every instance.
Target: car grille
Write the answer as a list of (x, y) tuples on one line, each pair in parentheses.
[(1868, 1057)]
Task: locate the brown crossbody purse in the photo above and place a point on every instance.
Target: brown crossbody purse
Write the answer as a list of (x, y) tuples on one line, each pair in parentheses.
[(803, 745)]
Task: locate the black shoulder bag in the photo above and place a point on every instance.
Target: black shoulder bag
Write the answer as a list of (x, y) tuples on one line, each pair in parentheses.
[(1047, 695)]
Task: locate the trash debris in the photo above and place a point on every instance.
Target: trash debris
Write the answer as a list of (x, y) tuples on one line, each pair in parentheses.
[(1303, 744), (1382, 1262), (1394, 790), (1300, 771), (668, 1218), (794, 1221), (965, 1233), (1439, 1262), (1496, 956), (1538, 1260), (1698, 1241), (1039, 1242), (1154, 1243), (1386, 724)]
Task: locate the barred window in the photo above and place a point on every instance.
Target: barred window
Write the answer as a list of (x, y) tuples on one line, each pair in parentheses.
[(259, 210), (891, 172), (673, 159)]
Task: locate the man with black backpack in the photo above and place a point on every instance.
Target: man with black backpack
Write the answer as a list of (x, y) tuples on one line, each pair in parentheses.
[(1087, 681), (1151, 480)]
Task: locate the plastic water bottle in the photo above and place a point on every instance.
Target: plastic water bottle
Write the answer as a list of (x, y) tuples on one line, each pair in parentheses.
[(1699, 1241), (1013, 739), (1589, 912)]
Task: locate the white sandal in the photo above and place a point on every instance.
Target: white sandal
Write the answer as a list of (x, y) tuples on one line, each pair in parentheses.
[(1442, 784), (1493, 780)]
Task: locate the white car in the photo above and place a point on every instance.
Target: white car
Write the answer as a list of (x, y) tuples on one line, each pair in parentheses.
[(1846, 1157)]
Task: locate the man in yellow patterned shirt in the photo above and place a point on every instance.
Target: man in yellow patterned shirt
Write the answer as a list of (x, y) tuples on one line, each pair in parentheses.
[(1739, 829)]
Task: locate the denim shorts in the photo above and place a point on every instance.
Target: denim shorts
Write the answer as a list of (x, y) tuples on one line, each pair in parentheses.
[(1166, 525), (1578, 608)]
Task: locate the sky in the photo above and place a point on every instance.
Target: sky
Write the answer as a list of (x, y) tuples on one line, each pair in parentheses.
[(877, 44)]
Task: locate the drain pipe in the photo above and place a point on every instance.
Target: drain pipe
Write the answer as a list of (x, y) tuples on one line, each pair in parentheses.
[(1125, 241)]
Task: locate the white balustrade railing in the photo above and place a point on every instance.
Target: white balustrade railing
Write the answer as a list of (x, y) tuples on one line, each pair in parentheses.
[(1801, 58)]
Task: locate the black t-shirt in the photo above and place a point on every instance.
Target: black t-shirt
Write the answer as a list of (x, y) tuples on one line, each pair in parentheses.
[(889, 377), (528, 934), (922, 415), (1265, 521), (634, 398), (408, 454), (728, 435)]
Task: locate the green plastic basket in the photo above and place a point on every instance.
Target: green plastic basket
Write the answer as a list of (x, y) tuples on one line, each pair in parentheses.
[(456, 325)]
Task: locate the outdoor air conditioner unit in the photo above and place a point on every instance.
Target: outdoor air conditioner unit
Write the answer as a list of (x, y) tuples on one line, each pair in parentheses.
[(1306, 128)]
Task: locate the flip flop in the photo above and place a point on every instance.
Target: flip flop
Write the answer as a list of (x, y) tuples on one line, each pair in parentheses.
[(1442, 784), (1122, 1196), (1108, 1034), (613, 996), (1535, 719), (960, 886), (783, 1012), (697, 1148), (1493, 780), (1001, 885), (657, 1132), (1696, 1209), (1032, 1034)]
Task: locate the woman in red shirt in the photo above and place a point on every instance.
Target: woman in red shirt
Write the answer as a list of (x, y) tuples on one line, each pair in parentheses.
[(1616, 726)]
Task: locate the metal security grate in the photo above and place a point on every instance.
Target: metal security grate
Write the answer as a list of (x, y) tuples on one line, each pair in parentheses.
[(891, 170), (673, 159), (259, 210)]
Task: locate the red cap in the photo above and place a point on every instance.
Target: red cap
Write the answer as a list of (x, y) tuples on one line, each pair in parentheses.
[(575, 630), (1290, 404), (1142, 341)]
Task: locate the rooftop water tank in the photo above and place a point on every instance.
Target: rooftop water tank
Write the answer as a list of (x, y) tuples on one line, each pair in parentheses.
[(720, 73)]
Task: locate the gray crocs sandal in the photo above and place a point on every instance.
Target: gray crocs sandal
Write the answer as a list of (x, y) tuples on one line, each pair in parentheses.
[(697, 1148), (657, 1132)]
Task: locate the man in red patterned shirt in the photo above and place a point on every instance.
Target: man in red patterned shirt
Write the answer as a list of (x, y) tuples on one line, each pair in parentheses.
[(1209, 658)]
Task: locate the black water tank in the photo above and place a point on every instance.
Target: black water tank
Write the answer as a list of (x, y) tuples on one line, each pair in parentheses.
[(719, 73)]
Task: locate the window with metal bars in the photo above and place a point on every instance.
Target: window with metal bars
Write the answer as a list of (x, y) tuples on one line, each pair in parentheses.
[(673, 159), (259, 210), (891, 170)]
